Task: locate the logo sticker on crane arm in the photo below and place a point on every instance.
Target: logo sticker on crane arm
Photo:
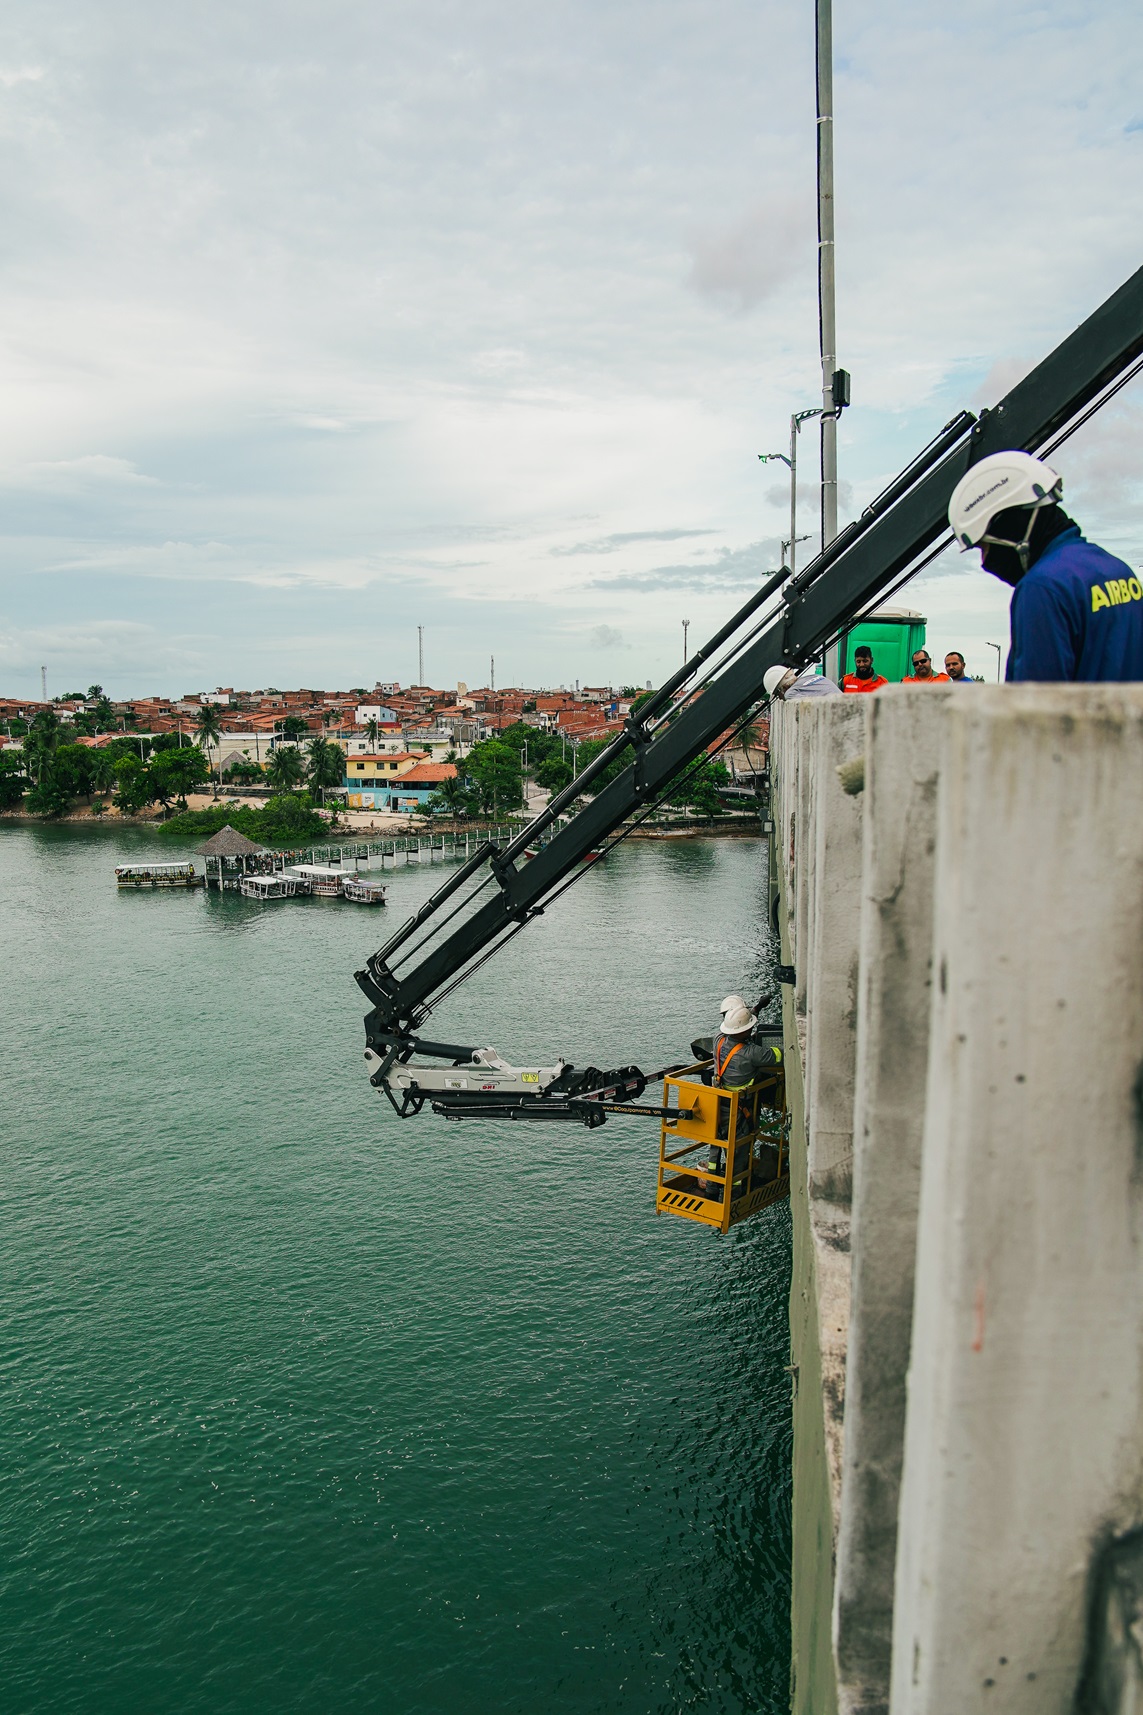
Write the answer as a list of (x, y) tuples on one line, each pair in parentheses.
[(529, 1077)]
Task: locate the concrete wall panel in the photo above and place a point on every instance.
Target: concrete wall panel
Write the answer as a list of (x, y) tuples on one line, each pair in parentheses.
[(1024, 1440)]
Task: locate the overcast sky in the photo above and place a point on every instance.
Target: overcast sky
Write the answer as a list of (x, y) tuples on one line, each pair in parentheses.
[(323, 321)]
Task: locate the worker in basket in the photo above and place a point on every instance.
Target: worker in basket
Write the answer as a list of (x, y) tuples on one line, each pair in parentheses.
[(737, 1062)]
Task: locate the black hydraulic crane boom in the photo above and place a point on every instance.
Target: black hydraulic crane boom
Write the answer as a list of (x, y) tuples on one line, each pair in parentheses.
[(404, 982)]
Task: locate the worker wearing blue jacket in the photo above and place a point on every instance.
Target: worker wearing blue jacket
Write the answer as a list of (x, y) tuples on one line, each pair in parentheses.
[(1076, 611)]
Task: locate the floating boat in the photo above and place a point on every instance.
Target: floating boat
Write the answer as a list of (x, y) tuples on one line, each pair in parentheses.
[(363, 890), (269, 886), (157, 875), (321, 879)]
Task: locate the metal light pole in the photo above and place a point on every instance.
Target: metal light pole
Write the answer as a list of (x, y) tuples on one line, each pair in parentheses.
[(998, 650), (791, 459), (420, 655), (826, 279), (686, 628)]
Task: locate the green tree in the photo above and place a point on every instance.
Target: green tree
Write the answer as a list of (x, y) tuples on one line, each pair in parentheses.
[(40, 743), (71, 769), (293, 727), (700, 789), (13, 781), (136, 787), (103, 764), (174, 773), (104, 714), (372, 729), (94, 692), (325, 765), (589, 749), (553, 773), (453, 797), (494, 771), (208, 731), (48, 798), (285, 768)]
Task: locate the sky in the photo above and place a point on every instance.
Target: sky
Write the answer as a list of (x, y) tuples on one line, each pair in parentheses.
[(319, 322)]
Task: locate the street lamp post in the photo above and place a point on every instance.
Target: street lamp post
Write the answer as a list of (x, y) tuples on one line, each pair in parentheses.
[(791, 460), (998, 650), (686, 628)]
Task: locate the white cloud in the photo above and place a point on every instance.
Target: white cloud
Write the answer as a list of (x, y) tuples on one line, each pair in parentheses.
[(744, 262), (363, 318)]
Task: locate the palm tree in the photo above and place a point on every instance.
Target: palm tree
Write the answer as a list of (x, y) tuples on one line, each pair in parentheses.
[(42, 739), (102, 771), (753, 735), (284, 767), (326, 764), (208, 732), (373, 729)]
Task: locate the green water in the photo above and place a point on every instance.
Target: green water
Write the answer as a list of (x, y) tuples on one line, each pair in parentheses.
[(305, 1409)]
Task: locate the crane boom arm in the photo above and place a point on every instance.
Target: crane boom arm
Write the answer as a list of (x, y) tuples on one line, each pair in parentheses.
[(870, 554)]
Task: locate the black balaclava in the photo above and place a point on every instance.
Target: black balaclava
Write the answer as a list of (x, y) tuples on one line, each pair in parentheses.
[(1004, 563)]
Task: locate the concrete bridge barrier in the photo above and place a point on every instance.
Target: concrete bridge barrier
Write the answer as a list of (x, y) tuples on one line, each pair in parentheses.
[(965, 1039)]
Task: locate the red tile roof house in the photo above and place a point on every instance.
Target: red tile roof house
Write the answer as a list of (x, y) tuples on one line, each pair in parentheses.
[(390, 783)]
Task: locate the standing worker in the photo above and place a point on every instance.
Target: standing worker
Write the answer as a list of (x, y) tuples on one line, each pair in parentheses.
[(863, 678), (923, 671), (1076, 611), (954, 669)]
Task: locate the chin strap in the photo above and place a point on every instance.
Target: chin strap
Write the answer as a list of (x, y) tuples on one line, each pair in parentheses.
[(1023, 548)]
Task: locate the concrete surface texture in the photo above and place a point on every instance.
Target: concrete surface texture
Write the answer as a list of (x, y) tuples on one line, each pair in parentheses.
[(1024, 1442), (896, 929), (988, 885)]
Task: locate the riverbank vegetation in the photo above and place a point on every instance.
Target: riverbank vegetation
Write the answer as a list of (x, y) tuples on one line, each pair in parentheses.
[(288, 819), (490, 779)]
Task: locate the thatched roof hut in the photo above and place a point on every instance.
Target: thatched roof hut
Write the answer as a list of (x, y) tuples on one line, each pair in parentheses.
[(229, 843)]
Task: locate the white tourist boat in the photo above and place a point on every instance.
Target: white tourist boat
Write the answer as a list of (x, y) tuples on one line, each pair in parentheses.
[(363, 890), (269, 887), (157, 875), (321, 879)]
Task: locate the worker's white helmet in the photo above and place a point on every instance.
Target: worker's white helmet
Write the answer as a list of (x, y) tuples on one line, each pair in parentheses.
[(739, 1021), (732, 1003), (997, 482), (772, 678)]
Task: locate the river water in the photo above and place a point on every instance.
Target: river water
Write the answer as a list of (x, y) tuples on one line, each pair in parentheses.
[(305, 1409)]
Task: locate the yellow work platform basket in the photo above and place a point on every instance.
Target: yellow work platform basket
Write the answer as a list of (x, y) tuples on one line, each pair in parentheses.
[(702, 1176)]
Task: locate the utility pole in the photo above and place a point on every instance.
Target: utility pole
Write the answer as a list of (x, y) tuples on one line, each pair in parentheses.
[(420, 655), (686, 628), (492, 674), (827, 321), (43, 684)]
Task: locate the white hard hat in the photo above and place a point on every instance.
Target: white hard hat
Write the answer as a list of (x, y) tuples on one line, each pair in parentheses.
[(732, 1002), (739, 1021), (773, 677), (997, 482)]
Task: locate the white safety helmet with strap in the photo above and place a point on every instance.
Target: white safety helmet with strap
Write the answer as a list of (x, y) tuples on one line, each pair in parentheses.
[(732, 1003), (773, 677), (738, 1021), (998, 482)]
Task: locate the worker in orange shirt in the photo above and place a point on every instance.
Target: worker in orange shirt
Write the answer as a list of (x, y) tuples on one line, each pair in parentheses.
[(863, 678), (922, 673)]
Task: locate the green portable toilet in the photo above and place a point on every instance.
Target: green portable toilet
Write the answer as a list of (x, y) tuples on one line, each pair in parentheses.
[(893, 633)]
